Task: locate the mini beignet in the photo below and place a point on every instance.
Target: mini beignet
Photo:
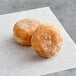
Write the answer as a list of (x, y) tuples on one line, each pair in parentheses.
[(23, 30), (46, 40)]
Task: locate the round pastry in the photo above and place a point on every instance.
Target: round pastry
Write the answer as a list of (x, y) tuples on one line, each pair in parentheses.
[(46, 40), (24, 29)]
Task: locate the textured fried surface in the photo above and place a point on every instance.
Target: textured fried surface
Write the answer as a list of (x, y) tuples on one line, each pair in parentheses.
[(47, 40), (24, 29)]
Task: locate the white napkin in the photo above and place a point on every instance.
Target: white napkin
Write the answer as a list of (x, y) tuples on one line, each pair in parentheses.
[(17, 60)]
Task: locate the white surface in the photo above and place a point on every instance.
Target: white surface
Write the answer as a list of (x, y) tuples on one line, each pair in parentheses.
[(17, 60)]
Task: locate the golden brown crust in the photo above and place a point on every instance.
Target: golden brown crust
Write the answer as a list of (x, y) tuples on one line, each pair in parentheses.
[(47, 40), (21, 41), (24, 29)]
